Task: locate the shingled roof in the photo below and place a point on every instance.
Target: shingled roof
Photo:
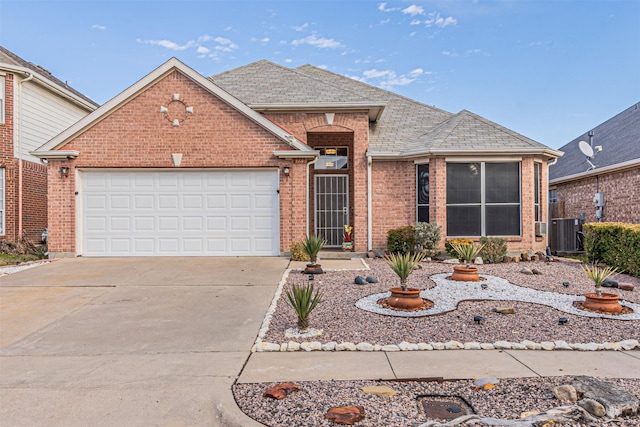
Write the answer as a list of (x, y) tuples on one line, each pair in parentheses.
[(619, 138), (12, 61), (405, 128)]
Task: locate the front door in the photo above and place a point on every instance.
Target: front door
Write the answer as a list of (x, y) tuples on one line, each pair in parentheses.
[(332, 207)]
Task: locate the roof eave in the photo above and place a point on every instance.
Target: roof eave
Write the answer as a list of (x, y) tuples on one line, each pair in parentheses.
[(374, 109), (296, 154), (55, 154), (597, 171), (479, 152)]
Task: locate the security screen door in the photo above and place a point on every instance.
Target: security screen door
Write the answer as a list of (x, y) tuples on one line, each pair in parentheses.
[(332, 207)]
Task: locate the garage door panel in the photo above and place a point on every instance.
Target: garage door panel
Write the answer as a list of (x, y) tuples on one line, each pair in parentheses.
[(198, 213)]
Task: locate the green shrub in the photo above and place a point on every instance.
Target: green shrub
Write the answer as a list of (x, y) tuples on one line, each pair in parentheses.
[(312, 245), (427, 235), (457, 241), (494, 248), (614, 243), (298, 253), (401, 240), (303, 301)]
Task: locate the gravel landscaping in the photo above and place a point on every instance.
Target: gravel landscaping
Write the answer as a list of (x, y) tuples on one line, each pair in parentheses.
[(342, 322)]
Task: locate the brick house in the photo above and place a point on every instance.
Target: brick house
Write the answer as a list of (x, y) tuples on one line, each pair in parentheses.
[(34, 107), (613, 172), (248, 161)]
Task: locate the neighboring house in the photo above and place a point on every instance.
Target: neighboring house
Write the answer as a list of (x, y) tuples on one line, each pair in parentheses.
[(34, 107), (611, 177), (253, 159)]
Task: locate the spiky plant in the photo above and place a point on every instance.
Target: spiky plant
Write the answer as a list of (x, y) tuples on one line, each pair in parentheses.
[(467, 252), (312, 245), (302, 299), (403, 265), (598, 274)]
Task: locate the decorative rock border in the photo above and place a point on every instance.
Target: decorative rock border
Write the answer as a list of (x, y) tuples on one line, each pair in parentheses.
[(261, 346)]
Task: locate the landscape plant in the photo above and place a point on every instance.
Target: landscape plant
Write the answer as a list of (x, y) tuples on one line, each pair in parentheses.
[(448, 245), (467, 252), (312, 245), (303, 300), (427, 236), (402, 239), (598, 275), (298, 253), (494, 248), (404, 264)]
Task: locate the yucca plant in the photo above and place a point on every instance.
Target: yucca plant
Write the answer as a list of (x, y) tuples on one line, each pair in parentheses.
[(303, 301), (598, 274), (467, 252), (403, 265), (312, 245)]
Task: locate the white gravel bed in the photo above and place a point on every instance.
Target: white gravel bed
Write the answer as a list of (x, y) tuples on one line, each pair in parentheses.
[(534, 325), (25, 266), (306, 407)]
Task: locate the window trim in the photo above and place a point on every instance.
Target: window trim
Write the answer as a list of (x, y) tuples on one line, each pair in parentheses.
[(3, 199), (537, 190), (337, 147), (3, 96), (418, 204)]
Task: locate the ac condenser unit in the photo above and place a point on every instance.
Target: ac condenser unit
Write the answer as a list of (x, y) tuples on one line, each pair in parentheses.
[(541, 228)]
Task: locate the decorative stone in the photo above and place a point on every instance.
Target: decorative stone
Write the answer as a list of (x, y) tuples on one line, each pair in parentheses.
[(578, 346), (536, 271), (329, 346), (311, 346), (453, 345), (530, 345), (424, 346), (610, 283), (390, 347), (562, 345), (516, 259), (472, 346), (526, 271), (541, 255), (524, 256), (502, 345), (535, 257), (267, 346), (505, 310), (593, 407), (629, 344), (487, 346), (518, 346), (364, 346), (345, 415), (566, 393), (507, 259), (377, 347), (282, 390), (451, 261), (406, 346), (478, 261), (293, 346), (371, 254), (547, 345), (612, 346), (371, 279), (379, 390), (481, 382), (437, 345), (592, 346), (359, 280), (626, 286), (616, 400), (346, 346)]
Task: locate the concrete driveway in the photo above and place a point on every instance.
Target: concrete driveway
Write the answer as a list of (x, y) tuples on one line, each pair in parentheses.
[(130, 341)]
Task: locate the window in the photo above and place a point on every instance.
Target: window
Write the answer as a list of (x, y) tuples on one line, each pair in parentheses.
[(483, 199), (553, 196), (2, 97), (536, 192), (2, 197), (422, 190), (332, 158)]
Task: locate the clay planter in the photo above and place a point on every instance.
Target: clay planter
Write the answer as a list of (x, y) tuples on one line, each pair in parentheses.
[(313, 269), (607, 303), (405, 300), (463, 273)]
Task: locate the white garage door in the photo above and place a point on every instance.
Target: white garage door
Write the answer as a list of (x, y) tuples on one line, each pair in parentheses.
[(183, 213)]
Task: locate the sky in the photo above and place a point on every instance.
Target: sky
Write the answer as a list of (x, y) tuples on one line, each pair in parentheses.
[(549, 70)]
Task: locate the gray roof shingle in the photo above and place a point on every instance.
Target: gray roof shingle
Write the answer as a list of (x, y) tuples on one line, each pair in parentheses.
[(620, 140)]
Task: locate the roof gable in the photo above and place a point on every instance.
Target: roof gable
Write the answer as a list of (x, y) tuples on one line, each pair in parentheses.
[(620, 140), (48, 150)]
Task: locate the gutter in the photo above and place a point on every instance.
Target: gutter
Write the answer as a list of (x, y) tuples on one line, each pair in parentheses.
[(309, 163), (598, 171), (369, 205)]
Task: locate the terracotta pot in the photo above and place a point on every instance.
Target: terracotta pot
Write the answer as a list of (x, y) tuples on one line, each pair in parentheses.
[(465, 274), (607, 303), (405, 300), (313, 269)]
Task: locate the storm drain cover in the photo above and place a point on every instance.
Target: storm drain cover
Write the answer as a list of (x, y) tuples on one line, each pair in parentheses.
[(444, 407)]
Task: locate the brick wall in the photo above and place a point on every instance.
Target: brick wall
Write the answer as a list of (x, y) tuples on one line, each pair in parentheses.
[(621, 195), (8, 162), (34, 200)]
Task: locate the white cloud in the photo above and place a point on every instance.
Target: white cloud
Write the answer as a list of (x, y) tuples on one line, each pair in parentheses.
[(374, 74), (382, 7), (320, 42), (300, 28), (389, 78), (447, 53), (204, 38), (416, 72), (436, 19), (203, 50), (98, 27), (413, 10), (168, 44), (415, 22), (288, 60)]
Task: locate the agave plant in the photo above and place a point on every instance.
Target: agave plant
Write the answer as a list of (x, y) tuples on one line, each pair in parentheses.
[(312, 245), (403, 265), (598, 274), (303, 301), (467, 252)]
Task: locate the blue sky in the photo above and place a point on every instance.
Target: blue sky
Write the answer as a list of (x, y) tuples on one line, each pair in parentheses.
[(550, 70)]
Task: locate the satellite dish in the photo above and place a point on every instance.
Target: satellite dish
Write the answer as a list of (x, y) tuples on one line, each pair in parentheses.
[(585, 148)]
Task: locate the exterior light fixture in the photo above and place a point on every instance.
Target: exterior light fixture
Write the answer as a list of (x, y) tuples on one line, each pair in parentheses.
[(565, 284), (64, 171), (478, 319), (484, 285), (311, 277), (563, 321), (286, 170)]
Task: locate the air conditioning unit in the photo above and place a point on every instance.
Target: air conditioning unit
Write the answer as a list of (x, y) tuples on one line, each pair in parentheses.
[(563, 236), (541, 228)]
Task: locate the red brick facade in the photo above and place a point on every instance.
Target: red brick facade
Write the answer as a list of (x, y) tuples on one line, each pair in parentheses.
[(34, 181), (621, 195)]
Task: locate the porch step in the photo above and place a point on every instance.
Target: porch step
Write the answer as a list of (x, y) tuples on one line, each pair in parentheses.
[(340, 254)]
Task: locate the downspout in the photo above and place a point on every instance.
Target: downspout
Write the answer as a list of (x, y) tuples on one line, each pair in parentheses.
[(307, 192), (369, 205), (29, 78), (549, 164)]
